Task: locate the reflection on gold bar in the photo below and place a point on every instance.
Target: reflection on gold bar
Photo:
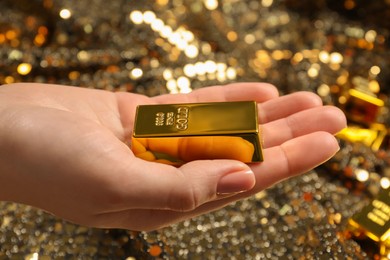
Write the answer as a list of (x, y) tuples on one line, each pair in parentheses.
[(373, 222), (180, 133)]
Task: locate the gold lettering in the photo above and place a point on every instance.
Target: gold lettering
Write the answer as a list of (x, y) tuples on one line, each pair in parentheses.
[(170, 118), (380, 214), (159, 121), (374, 218), (182, 118), (382, 206)]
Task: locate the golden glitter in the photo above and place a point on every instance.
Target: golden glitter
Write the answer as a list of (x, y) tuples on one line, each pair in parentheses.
[(323, 90), (210, 66), (287, 54), (298, 57), (166, 31), (184, 84), (375, 70), (232, 36), (136, 73), (73, 75), (336, 58), (88, 28), (83, 56), (39, 40), (349, 4), (249, 38), (334, 66), (211, 4), (263, 221), (10, 35), (149, 17), (361, 43), (167, 74), (136, 17), (187, 35), (342, 79), (335, 89), (157, 25), (189, 70), (277, 55), (9, 80), (362, 175), (191, 51), (373, 85), (206, 48), (342, 100), (200, 68), (43, 30), (370, 36), (231, 73), (2, 38), (155, 250), (112, 68), (385, 182), (15, 55), (33, 256), (172, 86), (65, 14), (24, 68), (324, 56), (266, 3), (313, 72), (162, 2), (261, 195)]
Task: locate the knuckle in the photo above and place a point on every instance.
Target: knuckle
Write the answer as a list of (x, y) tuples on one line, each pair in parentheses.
[(183, 199)]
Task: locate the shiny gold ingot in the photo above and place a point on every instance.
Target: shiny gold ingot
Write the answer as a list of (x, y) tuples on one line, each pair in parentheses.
[(372, 137), (373, 222), (363, 107), (180, 133)]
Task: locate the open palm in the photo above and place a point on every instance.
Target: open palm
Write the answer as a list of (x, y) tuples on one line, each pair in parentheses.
[(66, 150)]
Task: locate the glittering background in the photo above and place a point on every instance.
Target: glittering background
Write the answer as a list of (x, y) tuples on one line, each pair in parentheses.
[(156, 47)]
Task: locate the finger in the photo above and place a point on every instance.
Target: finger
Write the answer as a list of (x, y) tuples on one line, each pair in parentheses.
[(329, 119), (287, 105), (148, 185), (258, 92), (293, 157)]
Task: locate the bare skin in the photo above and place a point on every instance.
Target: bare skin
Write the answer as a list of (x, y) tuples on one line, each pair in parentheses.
[(65, 150)]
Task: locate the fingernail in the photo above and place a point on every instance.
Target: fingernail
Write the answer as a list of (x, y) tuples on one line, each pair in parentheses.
[(236, 182)]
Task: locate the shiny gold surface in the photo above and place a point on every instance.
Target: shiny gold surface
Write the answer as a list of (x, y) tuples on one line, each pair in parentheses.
[(184, 132), (372, 137), (373, 222)]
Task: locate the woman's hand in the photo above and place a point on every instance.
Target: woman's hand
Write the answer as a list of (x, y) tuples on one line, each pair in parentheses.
[(65, 150)]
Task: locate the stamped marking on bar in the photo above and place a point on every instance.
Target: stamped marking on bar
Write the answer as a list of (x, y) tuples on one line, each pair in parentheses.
[(182, 118)]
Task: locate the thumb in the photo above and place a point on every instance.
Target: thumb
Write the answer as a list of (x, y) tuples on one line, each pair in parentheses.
[(162, 186)]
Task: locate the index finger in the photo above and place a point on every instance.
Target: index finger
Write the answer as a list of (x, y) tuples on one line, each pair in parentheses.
[(258, 92)]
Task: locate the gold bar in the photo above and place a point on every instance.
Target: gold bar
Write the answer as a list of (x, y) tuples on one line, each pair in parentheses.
[(373, 222), (372, 137), (179, 133), (362, 107)]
